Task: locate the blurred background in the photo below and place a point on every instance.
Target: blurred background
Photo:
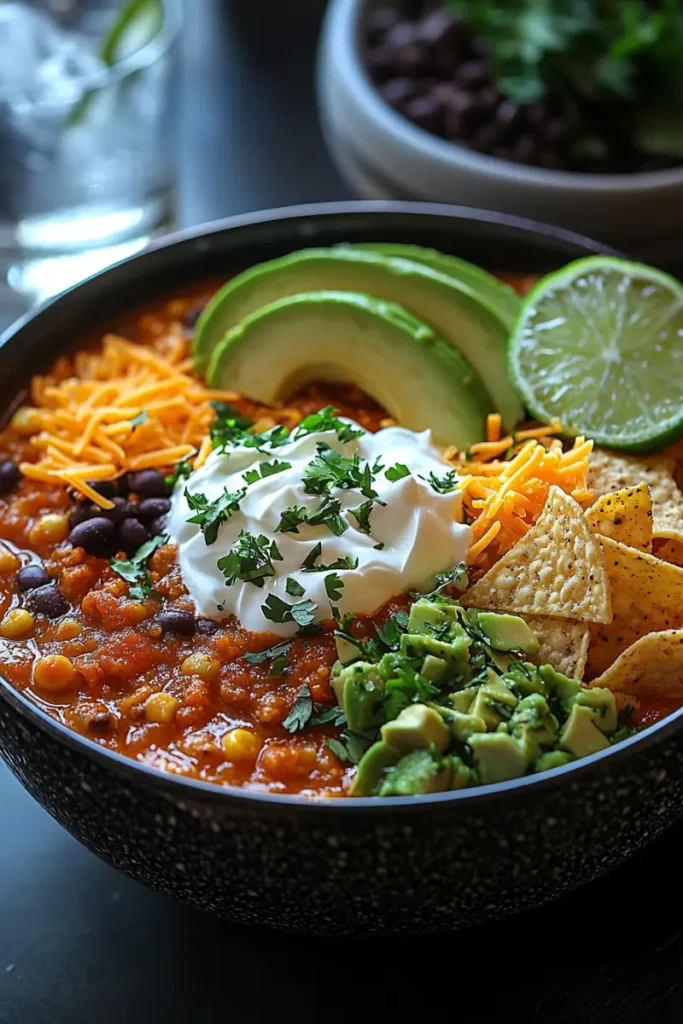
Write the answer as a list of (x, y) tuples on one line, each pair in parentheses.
[(123, 119)]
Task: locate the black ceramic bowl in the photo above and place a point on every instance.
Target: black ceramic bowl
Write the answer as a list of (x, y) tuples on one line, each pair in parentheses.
[(341, 866)]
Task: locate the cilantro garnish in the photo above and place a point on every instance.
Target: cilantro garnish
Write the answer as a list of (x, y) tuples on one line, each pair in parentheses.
[(138, 420), (329, 515), (291, 519), (134, 570), (228, 428), (278, 665), (278, 651), (455, 577), (277, 610), (326, 419), (265, 469), (273, 438), (344, 562), (330, 469), (351, 747), (334, 715), (212, 514), (397, 472), (362, 514), (444, 484), (394, 628), (181, 471), (250, 560), (294, 588), (300, 712), (334, 586)]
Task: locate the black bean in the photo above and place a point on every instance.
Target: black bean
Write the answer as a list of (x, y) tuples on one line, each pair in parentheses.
[(426, 112), (132, 534), (510, 117), (82, 510), (460, 112), (556, 131), (107, 488), (157, 526), (487, 101), (473, 74), (442, 28), (380, 21), (120, 510), (148, 483), (96, 536), (526, 150), (487, 138), (10, 475), (207, 626), (101, 722), (122, 486), (535, 114), (409, 60), (192, 315), (152, 508), (177, 620), (32, 576), (397, 91), (403, 33), (381, 62), (48, 601)]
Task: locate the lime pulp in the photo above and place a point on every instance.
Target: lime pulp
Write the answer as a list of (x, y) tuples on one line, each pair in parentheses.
[(598, 346)]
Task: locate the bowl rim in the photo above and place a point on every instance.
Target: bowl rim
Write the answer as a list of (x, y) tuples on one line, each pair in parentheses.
[(209, 792), (341, 34)]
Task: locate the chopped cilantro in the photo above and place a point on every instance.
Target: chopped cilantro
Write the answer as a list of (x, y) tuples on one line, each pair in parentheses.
[(394, 628), (277, 610), (334, 586), (294, 588), (300, 712), (343, 562), (329, 515), (273, 438), (326, 419), (308, 564), (334, 716), (250, 560), (271, 652), (265, 469), (380, 546), (330, 469), (351, 747), (444, 484), (138, 420), (134, 570), (212, 514), (455, 577), (362, 514), (228, 428), (397, 472), (278, 665), (291, 519), (181, 471)]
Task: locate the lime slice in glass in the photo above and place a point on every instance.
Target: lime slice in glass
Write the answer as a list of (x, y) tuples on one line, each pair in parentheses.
[(599, 346)]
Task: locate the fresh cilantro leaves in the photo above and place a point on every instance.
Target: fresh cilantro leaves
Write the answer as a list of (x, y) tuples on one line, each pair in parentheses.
[(250, 560), (294, 588), (334, 586), (330, 469), (138, 420), (291, 519), (228, 428), (278, 651), (301, 711), (181, 471), (134, 570), (362, 514), (344, 562), (212, 514), (326, 419), (277, 610), (327, 514), (265, 469), (397, 472), (444, 484), (351, 747), (455, 577)]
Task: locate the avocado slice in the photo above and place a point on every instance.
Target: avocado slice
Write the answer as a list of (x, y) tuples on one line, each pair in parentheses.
[(421, 380), (500, 298), (374, 761), (446, 305), (416, 728), (507, 632), (581, 735), (362, 691), (497, 757), (416, 773)]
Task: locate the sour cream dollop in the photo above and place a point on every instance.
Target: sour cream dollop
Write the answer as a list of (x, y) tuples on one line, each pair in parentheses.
[(414, 535)]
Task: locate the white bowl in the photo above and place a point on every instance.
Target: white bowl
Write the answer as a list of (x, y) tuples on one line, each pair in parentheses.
[(383, 155)]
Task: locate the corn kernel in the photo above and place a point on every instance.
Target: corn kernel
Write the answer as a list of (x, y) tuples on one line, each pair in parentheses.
[(202, 665), (241, 745), (17, 624), (8, 560), (27, 421), (135, 612), (161, 707), (69, 629), (50, 529), (54, 673)]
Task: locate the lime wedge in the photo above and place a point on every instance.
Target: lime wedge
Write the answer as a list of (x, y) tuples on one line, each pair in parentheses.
[(599, 346)]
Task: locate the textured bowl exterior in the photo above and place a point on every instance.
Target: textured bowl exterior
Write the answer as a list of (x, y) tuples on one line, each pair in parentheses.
[(383, 155), (338, 866)]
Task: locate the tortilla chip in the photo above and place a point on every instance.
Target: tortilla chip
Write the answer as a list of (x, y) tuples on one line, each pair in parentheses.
[(556, 569), (647, 593), (608, 471), (625, 516), (651, 667), (668, 550), (563, 644), (607, 642)]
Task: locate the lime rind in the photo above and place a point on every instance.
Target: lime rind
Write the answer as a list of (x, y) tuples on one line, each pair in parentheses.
[(599, 346)]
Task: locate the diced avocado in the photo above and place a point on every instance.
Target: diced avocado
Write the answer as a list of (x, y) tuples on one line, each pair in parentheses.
[(346, 651), (602, 702), (525, 680), (416, 728), (362, 693), (581, 735), (461, 774), (462, 700), (388, 665), (508, 632), (447, 306), (558, 684), (488, 695), (497, 757), (433, 668), (500, 660), (462, 725), (337, 683), (373, 762), (417, 772), (552, 759), (499, 297), (454, 652), (534, 726), (427, 616)]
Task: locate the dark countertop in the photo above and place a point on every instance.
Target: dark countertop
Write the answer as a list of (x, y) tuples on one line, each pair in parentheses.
[(80, 943)]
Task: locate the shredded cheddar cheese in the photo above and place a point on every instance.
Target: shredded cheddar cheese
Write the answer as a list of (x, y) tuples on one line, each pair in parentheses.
[(123, 407), (503, 498)]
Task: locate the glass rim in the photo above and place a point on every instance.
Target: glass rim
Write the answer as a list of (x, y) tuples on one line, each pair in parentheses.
[(152, 51)]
